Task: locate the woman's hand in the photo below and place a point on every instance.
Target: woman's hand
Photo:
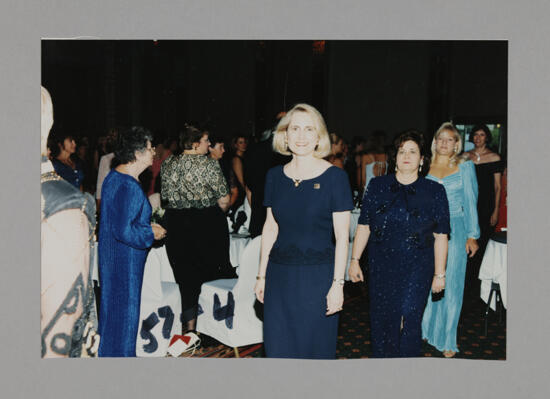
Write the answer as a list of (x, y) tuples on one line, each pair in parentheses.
[(335, 298), (471, 247), (438, 284), (158, 231), (355, 272), (494, 218), (259, 289)]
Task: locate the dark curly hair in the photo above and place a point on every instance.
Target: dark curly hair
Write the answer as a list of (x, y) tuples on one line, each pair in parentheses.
[(408, 135), (485, 129), (129, 141), (190, 135)]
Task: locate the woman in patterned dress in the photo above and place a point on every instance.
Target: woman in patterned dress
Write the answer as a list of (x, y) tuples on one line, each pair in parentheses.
[(197, 198)]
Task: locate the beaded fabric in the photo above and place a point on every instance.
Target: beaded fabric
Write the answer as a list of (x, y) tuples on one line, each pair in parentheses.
[(402, 220)]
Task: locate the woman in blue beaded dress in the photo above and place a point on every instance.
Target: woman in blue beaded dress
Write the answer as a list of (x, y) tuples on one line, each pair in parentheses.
[(440, 321), (301, 268), (405, 220)]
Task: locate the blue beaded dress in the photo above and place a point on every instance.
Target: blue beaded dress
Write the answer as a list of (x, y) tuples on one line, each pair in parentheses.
[(402, 220), (125, 235), (301, 264), (440, 321)]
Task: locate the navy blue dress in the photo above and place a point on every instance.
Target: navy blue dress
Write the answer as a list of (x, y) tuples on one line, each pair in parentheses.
[(402, 220), (74, 176), (301, 264), (125, 234)]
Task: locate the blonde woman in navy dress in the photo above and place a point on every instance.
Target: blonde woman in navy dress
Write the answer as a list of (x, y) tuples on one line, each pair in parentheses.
[(458, 176), (301, 274)]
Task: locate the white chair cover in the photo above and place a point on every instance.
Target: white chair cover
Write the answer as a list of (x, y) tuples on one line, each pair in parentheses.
[(160, 306), (226, 307), (493, 268)]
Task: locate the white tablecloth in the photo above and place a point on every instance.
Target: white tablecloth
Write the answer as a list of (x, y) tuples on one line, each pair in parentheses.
[(493, 268)]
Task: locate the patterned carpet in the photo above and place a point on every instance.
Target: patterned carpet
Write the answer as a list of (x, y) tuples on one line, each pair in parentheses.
[(354, 331)]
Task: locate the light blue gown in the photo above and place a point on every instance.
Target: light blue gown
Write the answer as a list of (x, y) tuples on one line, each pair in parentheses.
[(440, 320)]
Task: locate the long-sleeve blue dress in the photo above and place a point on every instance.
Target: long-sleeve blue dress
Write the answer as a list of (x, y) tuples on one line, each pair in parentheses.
[(125, 235), (402, 220), (440, 320)]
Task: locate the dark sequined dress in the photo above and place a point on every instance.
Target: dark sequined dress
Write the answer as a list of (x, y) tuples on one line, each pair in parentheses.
[(301, 264), (402, 220)]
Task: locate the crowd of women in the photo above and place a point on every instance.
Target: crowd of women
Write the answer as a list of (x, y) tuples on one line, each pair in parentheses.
[(420, 230)]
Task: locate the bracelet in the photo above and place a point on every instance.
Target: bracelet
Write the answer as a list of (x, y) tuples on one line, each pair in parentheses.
[(352, 258), (260, 277), (440, 276), (340, 281)]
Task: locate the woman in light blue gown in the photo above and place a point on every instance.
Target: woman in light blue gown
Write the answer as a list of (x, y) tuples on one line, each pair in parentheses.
[(440, 320)]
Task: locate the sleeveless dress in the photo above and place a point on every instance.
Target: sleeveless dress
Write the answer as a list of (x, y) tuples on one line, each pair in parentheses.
[(369, 171), (59, 195), (440, 321), (125, 235), (402, 220), (300, 270)]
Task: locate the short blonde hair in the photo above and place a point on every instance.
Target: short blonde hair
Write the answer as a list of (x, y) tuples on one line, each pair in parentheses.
[(449, 127), (279, 140)]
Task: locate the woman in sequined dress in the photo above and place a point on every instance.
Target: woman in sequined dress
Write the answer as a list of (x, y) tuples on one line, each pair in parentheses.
[(405, 219), (440, 321), (308, 201)]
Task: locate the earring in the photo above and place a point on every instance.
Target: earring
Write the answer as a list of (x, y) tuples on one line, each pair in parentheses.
[(455, 149), (420, 167), (286, 142), (316, 147), (396, 169)]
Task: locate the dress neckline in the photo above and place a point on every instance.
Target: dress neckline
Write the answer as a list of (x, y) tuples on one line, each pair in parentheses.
[(443, 178), (406, 185), (303, 180)]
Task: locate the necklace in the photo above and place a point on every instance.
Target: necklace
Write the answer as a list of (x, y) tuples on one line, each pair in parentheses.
[(296, 181), (478, 155)]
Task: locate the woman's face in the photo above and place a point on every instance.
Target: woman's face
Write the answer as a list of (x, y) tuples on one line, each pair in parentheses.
[(408, 157), (302, 134), (241, 144), (69, 145), (338, 148), (480, 138), (445, 144), (202, 146), (146, 156), (216, 151)]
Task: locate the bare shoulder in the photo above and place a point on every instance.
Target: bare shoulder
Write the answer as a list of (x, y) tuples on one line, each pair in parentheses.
[(367, 158), (493, 157)]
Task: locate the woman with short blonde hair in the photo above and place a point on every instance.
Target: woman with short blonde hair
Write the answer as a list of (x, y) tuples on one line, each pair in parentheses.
[(456, 158), (280, 141), (301, 268)]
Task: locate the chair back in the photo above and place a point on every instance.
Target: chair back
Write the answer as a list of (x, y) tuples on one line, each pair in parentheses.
[(248, 268)]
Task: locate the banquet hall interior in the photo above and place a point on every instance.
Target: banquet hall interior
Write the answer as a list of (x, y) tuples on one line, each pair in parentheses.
[(366, 90)]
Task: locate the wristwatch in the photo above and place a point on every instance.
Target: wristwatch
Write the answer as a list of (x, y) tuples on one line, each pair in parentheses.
[(340, 281)]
